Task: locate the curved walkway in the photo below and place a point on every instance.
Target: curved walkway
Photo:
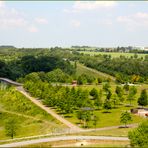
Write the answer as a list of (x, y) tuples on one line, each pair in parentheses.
[(23, 143)]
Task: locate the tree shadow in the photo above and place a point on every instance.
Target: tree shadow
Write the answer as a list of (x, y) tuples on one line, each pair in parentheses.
[(123, 126), (67, 116), (106, 112)]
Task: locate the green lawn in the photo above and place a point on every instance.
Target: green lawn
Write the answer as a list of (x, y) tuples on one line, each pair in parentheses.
[(113, 54), (105, 119)]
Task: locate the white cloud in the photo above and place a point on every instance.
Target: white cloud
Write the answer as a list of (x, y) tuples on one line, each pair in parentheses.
[(135, 21), (75, 23), (10, 17), (33, 29), (139, 19), (41, 20), (88, 5)]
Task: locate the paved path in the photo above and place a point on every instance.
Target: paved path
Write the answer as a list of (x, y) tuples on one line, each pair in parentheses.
[(48, 110), (10, 81), (23, 143)]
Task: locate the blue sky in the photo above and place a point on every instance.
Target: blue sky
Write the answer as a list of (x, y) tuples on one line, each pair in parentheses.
[(49, 24)]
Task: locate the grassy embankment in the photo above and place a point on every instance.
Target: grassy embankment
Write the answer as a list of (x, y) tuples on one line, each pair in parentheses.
[(31, 119)]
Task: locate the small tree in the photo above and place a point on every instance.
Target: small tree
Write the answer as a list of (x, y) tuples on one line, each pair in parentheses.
[(143, 99), (106, 87), (132, 93), (108, 95), (107, 105), (94, 93), (95, 121), (125, 118), (11, 127), (119, 92), (126, 87), (115, 100)]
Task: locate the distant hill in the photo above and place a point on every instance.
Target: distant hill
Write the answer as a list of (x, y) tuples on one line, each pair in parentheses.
[(7, 47)]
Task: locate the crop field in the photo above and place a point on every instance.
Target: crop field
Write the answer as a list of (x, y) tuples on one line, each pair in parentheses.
[(113, 54)]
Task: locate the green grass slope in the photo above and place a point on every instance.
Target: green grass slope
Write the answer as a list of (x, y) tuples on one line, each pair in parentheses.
[(32, 119)]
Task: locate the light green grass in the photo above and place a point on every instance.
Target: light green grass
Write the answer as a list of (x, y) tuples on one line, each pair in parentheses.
[(113, 54), (106, 119)]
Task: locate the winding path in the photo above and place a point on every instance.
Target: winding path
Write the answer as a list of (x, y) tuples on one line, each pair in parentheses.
[(23, 143)]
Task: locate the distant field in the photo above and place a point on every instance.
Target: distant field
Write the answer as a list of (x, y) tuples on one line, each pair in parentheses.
[(113, 54)]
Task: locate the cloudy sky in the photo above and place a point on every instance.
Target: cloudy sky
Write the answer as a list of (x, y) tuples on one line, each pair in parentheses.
[(97, 23)]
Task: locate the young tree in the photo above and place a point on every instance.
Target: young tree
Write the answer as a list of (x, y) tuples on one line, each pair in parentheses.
[(115, 100), (132, 93), (125, 118), (95, 121), (119, 92), (11, 127), (85, 116), (108, 95), (126, 87), (107, 105), (139, 136), (143, 99), (98, 100), (94, 93), (106, 87)]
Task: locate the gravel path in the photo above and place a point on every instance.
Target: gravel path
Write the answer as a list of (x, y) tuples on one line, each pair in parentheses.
[(23, 143)]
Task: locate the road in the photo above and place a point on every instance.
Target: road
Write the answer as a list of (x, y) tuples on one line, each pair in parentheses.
[(48, 110), (28, 142)]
